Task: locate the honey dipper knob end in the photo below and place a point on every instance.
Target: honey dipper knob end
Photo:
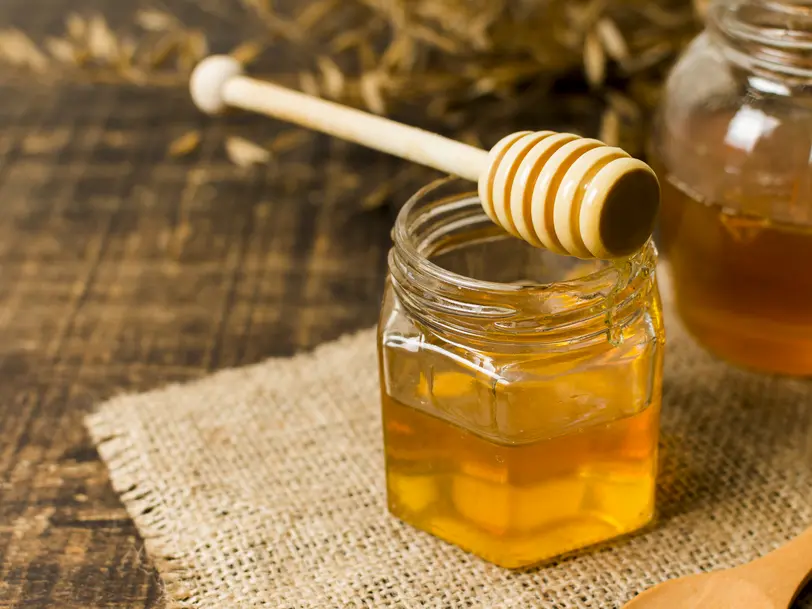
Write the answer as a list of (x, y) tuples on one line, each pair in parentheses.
[(620, 209), (208, 80)]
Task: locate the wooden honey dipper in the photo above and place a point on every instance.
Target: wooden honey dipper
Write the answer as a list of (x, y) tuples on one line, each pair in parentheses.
[(569, 194)]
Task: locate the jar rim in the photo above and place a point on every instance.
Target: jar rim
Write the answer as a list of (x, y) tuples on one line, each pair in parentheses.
[(403, 241), (577, 309), (772, 36)]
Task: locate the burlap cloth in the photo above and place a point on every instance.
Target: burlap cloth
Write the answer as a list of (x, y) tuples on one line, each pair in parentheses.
[(263, 487)]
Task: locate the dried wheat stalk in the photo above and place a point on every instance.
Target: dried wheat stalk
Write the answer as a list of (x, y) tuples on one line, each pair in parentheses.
[(445, 55)]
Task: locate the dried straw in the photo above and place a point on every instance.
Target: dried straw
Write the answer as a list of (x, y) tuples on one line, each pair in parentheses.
[(446, 56)]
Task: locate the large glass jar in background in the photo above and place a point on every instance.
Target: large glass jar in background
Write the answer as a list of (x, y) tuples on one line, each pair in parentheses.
[(521, 389), (732, 146)]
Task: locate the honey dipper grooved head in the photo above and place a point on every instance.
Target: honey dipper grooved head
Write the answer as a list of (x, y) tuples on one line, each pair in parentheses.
[(569, 194)]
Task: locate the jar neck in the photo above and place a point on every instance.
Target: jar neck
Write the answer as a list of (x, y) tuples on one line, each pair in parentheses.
[(567, 310), (771, 39)]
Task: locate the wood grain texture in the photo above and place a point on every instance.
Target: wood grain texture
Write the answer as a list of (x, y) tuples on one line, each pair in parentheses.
[(122, 269)]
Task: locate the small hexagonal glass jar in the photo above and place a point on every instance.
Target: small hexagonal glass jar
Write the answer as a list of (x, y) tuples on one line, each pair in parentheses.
[(520, 388)]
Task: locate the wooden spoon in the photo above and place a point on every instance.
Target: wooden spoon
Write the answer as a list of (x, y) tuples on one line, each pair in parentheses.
[(770, 582)]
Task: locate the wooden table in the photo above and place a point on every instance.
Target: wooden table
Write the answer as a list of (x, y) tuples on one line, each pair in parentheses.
[(122, 269)]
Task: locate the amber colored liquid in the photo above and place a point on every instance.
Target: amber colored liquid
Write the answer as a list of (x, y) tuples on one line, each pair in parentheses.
[(519, 504), (743, 283)]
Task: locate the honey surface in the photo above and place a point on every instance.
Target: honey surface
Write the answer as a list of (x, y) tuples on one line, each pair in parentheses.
[(521, 502), (743, 282)]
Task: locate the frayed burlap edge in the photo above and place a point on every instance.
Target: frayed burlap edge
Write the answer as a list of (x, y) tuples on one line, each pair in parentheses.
[(121, 456)]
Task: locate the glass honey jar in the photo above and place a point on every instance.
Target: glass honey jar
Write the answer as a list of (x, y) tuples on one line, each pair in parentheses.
[(520, 388), (732, 146)]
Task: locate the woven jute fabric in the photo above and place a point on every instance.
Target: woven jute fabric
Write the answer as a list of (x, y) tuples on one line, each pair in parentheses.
[(264, 487)]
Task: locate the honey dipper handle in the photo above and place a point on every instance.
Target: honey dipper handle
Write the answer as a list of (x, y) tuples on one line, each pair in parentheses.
[(217, 82)]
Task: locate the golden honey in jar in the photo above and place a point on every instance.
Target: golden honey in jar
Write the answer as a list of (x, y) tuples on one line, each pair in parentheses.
[(732, 147), (521, 389)]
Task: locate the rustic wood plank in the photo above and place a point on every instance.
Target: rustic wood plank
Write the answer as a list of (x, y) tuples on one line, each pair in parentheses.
[(122, 269)]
